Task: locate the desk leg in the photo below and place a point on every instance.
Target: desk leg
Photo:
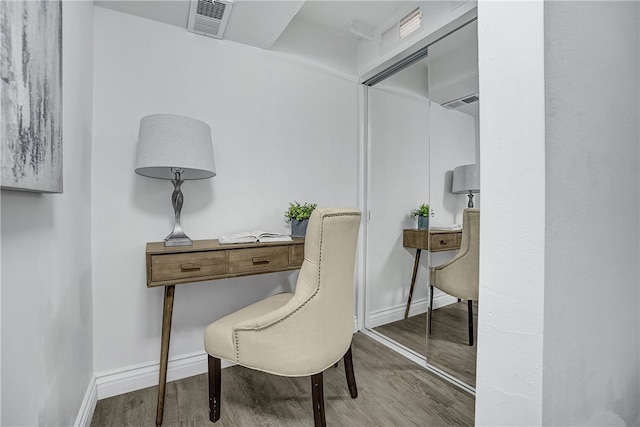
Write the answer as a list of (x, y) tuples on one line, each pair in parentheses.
[(413, 281), (167, 314)]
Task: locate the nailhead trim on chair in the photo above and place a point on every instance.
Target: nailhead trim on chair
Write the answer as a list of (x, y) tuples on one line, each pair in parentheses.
[(236, 332)]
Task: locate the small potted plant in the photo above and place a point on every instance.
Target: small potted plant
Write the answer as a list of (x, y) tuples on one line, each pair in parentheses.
[(298, 214), (423, 216)]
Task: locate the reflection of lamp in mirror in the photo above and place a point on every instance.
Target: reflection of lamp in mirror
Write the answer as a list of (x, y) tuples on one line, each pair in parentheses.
[(175, 148), (466, 180)]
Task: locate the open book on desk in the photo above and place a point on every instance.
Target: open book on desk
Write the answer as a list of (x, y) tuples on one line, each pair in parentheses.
[(454, 227), (254, 236)]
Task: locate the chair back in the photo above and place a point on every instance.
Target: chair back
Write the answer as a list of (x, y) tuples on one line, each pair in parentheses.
[(459, 277), (470, 249), (470, 242), (325, 286)]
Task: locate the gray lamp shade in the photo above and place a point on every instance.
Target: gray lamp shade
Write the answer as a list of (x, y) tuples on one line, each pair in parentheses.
[(169, 141), (466, 179)]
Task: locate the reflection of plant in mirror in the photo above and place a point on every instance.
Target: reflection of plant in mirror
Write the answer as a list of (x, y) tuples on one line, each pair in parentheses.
[(423, 210), (299, 211)]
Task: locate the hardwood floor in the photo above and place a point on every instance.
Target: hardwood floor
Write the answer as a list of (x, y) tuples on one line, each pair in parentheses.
[(411, 332), (392, 391), (448, 344), (447, 347)]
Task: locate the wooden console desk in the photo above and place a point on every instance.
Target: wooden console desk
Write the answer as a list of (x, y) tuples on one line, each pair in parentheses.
[(434, 240), (209, 260)]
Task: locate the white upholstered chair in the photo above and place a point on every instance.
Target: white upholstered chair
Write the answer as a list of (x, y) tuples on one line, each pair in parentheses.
[(303, 333), (459, 276)]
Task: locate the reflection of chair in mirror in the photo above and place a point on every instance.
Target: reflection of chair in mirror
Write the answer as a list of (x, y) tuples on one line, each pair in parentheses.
[(459, 276), (299, 334)]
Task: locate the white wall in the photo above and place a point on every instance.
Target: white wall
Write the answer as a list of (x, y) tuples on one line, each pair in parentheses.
[(319, 45), (46, 262), (282, 131), (512, 177), (559, 319), (591, 320)]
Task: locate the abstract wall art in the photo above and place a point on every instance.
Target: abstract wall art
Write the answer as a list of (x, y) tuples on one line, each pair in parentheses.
[(31, 95)]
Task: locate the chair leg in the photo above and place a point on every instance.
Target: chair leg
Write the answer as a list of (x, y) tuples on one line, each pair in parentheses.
[(470, 305), (430, 307), (214, 389), (318, 400), (348, 370)]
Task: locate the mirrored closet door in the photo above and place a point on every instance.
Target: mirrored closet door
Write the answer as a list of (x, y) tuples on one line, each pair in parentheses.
[(422, 125)]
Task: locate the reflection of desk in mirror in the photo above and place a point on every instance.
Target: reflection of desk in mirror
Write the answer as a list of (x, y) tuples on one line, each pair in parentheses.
[(434, 240)]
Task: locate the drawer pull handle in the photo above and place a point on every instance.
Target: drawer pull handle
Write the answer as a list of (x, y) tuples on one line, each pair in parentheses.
[(260, 260), (190, 267), (443, 242)]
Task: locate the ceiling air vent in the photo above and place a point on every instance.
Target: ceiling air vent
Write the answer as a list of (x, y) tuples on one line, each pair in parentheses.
[(461, 102), (410, 23), (209, 17), (401, 29)]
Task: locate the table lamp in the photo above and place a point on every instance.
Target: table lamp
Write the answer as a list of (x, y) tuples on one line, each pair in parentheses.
[(177, 148), (466, 180)]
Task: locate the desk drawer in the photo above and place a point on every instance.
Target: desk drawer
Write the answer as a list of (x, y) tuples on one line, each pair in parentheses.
[(418, 239), (445, 241), (254, 260), (187, 266)]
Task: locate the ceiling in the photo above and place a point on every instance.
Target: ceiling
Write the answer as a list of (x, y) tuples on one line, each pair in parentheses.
[(260, 22), (338, 15)]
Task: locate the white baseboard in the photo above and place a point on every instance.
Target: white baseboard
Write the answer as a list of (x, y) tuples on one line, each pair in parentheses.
[(124, 380), (442, 300), (420, 306), (88, 406), (136, 377)]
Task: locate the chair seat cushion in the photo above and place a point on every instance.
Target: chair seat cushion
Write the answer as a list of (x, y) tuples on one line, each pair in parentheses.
[(219, 336)]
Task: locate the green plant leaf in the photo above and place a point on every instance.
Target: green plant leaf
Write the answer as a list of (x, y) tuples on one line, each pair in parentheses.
[(299, 211), (423, 210)]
